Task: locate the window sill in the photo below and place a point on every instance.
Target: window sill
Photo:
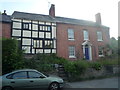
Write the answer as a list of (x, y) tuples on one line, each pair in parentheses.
[(71, 39), (101, 55), (100, 40), (86, 40), (72, 57)]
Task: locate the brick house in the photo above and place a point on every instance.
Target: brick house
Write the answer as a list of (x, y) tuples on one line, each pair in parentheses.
[(5, 24), (67, 37), (81, 39), (78, 39)]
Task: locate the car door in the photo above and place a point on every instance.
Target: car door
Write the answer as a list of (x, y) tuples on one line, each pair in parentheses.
[(37, 80), (19, 80)]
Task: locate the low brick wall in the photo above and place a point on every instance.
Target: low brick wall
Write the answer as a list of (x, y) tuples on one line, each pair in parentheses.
[(105, 71), (92, 73)]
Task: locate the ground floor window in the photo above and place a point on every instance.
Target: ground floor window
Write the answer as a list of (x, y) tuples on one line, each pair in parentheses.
[(71, 52), (100, 51)]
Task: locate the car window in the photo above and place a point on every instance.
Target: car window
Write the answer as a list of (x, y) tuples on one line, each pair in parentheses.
[(33, 74), (20, 75)]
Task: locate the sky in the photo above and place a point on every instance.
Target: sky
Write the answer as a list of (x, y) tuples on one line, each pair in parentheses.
[(78, 9)]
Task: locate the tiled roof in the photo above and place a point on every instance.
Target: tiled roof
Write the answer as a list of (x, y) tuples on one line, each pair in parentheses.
[(31, 16), (40, 17), (5, 18), (75, 21)]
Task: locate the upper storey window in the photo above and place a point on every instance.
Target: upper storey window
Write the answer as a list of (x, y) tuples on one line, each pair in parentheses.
[(99, 36), (45, 28), (86, 35), (25, 25), (70, 34)]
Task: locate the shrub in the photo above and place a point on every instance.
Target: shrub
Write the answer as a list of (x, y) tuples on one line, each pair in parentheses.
[(12, 56), (44, 62), (109, 61), (70, 67), (96, 65), (76, 68)]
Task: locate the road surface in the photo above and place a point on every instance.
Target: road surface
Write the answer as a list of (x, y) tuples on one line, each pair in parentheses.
[(99, 83)]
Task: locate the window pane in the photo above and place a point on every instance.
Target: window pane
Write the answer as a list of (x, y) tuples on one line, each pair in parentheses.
[(25, 25), (41, 34), (26, 41), (47, 51), (40, 27), (43, 27), (41, 43), (99, 36), (16, 25), (38, 43), (26, 48), (34, 27), (48, 28), (85, 35), (53, 32), (26, 33), (20, 75), (100, 51), (34, 34), (34, 75), (70, 34), (16, 32), (48, 35), (71, 51), (48, 44), (35, 43), (39, 50)]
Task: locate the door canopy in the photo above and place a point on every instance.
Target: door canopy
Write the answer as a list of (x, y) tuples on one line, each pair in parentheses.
[(86, 43)]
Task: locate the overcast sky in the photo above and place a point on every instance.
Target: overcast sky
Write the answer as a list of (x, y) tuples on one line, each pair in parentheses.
[(78, 9)]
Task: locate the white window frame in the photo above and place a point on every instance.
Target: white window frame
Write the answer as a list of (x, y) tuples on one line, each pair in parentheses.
[(86, 34), (99, 36), (71, 50), (71, 34)]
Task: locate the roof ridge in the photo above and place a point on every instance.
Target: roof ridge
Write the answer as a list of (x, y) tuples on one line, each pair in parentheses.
[(29, 13), (74, 19)]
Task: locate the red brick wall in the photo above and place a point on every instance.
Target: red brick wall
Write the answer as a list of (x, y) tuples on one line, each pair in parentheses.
[(5, 30), (63, 43)]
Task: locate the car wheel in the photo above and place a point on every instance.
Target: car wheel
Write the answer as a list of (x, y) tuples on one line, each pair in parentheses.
[(54, 86), (7, 88)]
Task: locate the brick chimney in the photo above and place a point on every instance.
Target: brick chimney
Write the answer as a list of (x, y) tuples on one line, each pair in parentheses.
[(98, 18), (52, 10), (4, 13)]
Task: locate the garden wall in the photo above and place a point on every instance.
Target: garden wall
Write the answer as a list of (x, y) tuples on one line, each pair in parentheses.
[(91, 73)]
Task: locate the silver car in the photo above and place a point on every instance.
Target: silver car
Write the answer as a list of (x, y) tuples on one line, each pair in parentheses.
[(30, 79)]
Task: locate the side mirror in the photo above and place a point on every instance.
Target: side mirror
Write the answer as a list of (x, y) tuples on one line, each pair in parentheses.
[(42, 77)]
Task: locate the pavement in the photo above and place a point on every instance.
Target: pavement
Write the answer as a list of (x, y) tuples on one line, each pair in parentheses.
[(99, 83)]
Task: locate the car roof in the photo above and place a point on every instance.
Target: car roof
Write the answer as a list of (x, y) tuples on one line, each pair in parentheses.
[(25, 70)]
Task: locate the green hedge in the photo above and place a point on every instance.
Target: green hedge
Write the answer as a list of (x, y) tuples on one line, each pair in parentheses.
[(44, 62), (12, 56)]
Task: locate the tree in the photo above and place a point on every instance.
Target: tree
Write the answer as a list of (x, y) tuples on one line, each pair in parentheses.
[(118, 45), (114, 45), (12, 56)]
